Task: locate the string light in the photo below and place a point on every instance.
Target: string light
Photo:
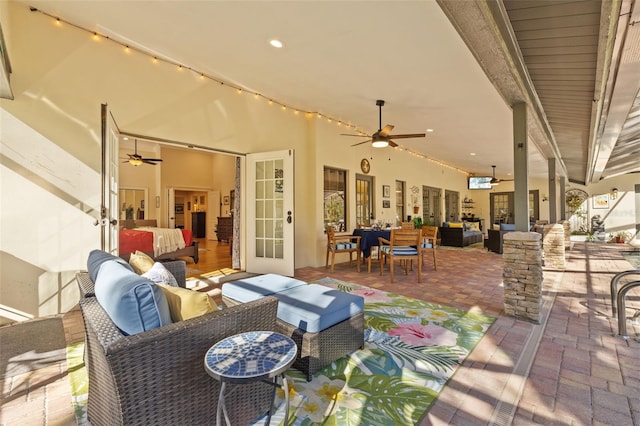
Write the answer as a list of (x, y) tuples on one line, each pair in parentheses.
[(155, 59)]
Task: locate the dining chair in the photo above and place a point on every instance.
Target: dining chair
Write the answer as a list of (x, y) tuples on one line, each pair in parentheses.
[(429, 242), (407, 225), (342, 244), (404, 245)]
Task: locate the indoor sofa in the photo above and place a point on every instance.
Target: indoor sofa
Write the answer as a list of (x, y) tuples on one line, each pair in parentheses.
[(156, 376), (459, 234)]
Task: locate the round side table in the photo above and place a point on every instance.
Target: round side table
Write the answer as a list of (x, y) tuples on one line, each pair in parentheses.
[(250, 357)]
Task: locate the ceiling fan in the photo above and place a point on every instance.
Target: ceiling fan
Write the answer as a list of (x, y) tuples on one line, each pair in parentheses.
[(382, 138), (136, 159), (496, 181)]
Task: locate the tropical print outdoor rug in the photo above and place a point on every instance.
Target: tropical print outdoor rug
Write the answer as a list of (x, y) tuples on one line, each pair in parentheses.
[(412, 348)]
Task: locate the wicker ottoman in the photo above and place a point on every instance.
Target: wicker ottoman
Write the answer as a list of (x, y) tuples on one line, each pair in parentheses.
[(325, 323)]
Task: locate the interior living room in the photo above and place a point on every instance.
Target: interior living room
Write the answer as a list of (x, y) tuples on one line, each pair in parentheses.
[(518, 119)]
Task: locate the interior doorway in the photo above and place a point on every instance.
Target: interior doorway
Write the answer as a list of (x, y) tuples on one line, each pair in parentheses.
[(185, 190)]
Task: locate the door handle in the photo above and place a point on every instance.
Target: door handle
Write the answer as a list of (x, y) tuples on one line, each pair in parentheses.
[(289, 218)]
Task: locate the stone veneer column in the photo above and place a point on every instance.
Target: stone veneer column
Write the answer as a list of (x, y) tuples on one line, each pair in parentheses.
[(522, 275), (553, 246), (567, 234)]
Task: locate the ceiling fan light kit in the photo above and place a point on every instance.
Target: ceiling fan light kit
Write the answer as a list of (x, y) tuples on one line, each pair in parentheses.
[(380, 143)]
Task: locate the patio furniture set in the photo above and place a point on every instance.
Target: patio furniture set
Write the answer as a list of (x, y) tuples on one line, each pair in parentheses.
[(145, 367)]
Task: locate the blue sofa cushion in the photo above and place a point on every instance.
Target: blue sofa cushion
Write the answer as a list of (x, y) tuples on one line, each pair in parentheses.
[(134, 303), (97, 258), (259, 286), (507, 226), (400, 250), (315, 307)]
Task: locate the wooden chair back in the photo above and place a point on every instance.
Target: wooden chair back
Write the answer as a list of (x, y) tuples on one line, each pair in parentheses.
[(407, 225), (405, 237), (430, 233)]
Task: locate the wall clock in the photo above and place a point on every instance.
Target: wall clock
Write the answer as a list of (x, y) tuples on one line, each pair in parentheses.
[(365, 166)]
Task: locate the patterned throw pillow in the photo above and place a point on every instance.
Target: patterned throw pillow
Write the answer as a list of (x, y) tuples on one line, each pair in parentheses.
[(159, 274)]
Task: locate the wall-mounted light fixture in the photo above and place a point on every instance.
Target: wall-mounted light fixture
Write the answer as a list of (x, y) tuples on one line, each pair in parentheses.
[(614, 193)]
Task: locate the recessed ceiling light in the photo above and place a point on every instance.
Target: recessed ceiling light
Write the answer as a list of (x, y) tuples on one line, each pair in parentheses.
[(276, 43), (472, 153), (429, 130)]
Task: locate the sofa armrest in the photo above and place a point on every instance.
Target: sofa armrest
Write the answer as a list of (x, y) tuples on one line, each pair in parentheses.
[(179, 270)]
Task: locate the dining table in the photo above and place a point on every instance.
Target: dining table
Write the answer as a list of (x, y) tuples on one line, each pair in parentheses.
[(369, 238)]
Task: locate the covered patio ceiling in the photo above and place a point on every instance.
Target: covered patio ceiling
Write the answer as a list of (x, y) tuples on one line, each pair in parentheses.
[(453, 66)]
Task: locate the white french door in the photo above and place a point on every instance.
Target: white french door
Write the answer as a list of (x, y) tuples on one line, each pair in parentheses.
[(270, 215), (109, 199)]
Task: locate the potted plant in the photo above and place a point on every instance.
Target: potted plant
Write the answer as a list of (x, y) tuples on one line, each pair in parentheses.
[(414, 198), (621, 236), (417, 222)]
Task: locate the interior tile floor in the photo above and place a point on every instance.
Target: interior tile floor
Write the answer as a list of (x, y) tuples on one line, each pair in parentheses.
[(571, 369)]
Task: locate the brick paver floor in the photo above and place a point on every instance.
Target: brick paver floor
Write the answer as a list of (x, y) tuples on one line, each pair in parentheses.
[(571, 369)]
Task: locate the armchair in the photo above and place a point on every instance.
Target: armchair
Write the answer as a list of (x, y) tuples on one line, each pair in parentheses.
[(342, 244), (405, 245), (429, 241), (157, 376), (495, 237)]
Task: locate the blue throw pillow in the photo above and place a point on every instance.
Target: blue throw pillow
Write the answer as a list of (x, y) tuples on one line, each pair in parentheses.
[(134, 303), (97, 258)]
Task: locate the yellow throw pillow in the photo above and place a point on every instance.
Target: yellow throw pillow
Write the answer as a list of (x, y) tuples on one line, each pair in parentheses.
[(455, 224), (185, 303), (141, 262)]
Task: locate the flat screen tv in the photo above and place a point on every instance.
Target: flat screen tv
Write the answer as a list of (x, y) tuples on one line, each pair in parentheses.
[(480, 182)]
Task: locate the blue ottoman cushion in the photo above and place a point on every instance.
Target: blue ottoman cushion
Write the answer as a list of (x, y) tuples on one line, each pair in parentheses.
[(314, 308), (254, 288)]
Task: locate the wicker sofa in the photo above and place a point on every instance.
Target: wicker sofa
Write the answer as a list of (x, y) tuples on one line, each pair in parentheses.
[(157, 376), (458, 237)]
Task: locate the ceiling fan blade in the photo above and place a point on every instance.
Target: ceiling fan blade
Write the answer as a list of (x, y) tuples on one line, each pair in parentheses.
[(408, 135), (360, 143), (392, 144), (147, 161), (151, 159), (385, 130)]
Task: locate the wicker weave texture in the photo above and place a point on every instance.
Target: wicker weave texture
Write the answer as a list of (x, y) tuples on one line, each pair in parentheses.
[(157, 377)]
